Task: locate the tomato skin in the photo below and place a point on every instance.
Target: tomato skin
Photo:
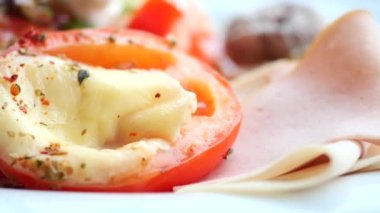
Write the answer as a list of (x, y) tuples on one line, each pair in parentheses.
[(16, 25), (11, 28), (81, 46), (156, 16), (188, 172), (3, 179), (187, 26)]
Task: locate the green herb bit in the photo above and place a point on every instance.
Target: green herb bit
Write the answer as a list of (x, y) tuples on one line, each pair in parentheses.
[(39, 92), (82, 165), (11, 134), (39, 163), (75, 24)]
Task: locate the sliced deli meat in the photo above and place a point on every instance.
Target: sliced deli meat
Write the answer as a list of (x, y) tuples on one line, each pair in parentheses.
[(307, 167), (250, 82), (330, 100)]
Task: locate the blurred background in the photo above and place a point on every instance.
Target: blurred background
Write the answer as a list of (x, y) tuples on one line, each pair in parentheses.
[(222, 11), (232, 36)]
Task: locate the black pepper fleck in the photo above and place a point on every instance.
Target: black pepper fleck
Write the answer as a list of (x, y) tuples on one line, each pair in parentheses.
[(112, 39), (82, 165), (4, 106), (228, 153), (82, 75)]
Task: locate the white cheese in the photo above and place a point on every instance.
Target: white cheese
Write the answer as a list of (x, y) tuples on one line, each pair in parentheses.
[(109, 121)]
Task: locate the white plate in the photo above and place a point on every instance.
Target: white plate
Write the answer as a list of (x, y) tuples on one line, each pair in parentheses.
[(356, 193)]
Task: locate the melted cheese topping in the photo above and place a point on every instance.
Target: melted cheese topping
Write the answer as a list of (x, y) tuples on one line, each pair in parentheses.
[(77, 123)]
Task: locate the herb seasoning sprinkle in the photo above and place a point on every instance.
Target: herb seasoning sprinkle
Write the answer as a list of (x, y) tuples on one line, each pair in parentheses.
[(4, 106), (15, 89), (111, 39), (172, 44), (11, 134), (84, 131), (82, 165)]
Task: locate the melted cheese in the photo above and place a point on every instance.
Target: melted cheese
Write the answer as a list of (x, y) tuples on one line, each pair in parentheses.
[(108, 121)]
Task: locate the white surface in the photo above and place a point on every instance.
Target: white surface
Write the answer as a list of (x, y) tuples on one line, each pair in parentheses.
[(357, 193)]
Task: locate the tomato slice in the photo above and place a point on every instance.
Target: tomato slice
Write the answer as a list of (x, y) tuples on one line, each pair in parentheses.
[(184, 22), (214, 126), (11, 28), (156, 16)]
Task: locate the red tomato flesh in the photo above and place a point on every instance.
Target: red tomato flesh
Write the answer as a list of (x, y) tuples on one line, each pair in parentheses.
[(156, 16), (215, 124)]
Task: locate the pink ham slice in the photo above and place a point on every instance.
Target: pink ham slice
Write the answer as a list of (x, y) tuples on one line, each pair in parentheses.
[(334, 94), (253, 81)]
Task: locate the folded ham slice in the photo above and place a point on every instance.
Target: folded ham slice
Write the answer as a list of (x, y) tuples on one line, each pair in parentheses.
[(248, 83), (310, 125)]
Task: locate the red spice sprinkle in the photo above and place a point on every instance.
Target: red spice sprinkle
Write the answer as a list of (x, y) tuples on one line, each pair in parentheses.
[(22, 42), (45, 101), (14, 77), (81, 36), (15, 89), (133, 134), (32, 36), (11, 79), (7, 78), (23, 109)]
